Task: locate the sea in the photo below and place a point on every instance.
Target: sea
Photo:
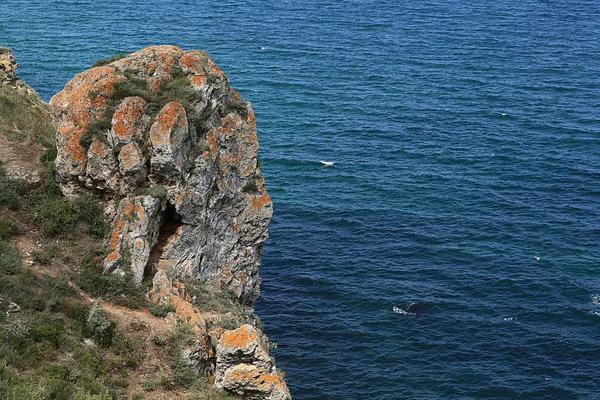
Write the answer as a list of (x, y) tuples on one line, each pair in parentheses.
[(435, 172)]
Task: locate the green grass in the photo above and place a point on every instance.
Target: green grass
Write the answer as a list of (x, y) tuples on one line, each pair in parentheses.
[(24, 116), (160, 310), (58, 216)]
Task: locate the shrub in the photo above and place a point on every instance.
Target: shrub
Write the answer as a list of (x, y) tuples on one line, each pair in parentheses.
[(160, 310), (9, 191), (221, 301), (51, 332), (42, 257), (7, 229), (183, 374), (10, 259), (49, 155), (56, 216), (99, 326), (250, 187), (130, 349), (90, 213), (120, 290), (149, 385), (230, 322)]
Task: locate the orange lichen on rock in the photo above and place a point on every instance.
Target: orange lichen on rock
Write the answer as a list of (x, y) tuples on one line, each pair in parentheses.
[(129, 157), (199, 63), (79, 103), (172, 115), (244, 336), (99, 148), (71, 154), (157, 63), (258, 202), (246, 378), (197, 80), (116, 235), (127, 119), (112, 256)]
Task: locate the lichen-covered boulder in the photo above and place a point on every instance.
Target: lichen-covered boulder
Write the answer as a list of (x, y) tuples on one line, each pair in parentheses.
[(8, 65), (245, 368), (165, 122)]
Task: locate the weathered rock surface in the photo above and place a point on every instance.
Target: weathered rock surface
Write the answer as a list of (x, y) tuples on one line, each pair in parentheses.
[(8, 65), (198, 142), (171, 150), (165, 291), (245, 368)]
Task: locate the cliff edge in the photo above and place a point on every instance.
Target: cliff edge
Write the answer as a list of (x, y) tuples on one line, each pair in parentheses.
[(156, 157)]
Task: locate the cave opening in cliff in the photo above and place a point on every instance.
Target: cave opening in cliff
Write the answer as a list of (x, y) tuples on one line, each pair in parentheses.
[(171, 221)]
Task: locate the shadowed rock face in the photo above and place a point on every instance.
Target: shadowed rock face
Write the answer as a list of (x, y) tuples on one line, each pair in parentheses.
[(158, 129)]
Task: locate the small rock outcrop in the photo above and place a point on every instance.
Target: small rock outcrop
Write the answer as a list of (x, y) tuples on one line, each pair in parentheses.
[(170, 149), (245, 368), (8, 65)]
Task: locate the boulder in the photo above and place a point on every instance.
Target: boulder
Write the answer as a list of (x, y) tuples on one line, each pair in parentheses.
[(245, 368)]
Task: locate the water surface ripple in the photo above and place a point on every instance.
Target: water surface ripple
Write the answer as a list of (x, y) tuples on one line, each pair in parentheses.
[(452, 250)]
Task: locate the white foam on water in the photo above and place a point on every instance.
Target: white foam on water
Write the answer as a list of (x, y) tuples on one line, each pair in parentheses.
[(596, 299), (402, 310), (327, 163)]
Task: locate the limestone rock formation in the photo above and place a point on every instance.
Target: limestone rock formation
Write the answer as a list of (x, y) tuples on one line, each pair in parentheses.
[(171, 150), (162, 138)]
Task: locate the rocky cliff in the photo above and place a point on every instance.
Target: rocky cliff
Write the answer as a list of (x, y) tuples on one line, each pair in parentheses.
[(170, 150)]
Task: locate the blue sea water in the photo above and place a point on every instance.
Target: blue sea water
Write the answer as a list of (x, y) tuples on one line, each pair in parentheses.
[(452, 250)]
